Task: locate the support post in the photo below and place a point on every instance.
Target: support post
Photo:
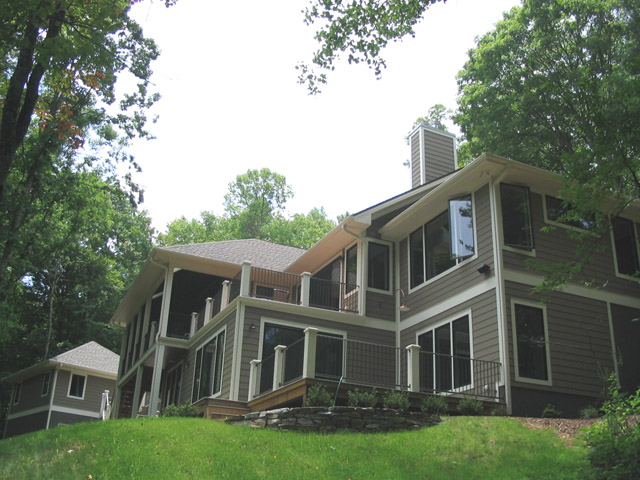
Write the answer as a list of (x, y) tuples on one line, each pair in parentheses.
[(226, 291), (208, 308), (278, 366), (136, 392), (253, 378), (194, 324), (309, 361), (158, 364), (305, 289), (413, 367), (245, 280)]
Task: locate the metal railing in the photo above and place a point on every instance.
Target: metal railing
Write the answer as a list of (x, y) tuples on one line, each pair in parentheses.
[(332, 295), (179, 325), (266, 374), (277, 286)]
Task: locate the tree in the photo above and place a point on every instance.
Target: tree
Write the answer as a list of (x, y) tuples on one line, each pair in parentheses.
[(301, 230), (557, 85), (361, 29)]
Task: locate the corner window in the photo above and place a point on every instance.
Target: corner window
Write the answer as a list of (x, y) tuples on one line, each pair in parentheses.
[(559, 211), (626, 245), (46, 380), (208, 368), (77, 386), (351, 276), (516, 217), (442, 243), (17, 392), (531, 343), (378, 266)]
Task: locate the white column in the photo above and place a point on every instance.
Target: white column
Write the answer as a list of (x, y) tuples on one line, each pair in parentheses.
[(208, 308), (152, 337), (136, 391), (245, 280), (309, 361), (226, 291), (278, 366), (166, 302), (194, 324), (253, 378), (305, 289), (147, 318), (413, 367), (155, 380)]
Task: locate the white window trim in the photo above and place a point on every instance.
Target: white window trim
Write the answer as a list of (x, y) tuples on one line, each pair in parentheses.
[(366, 263), (615, 253), (84, 385), (15, 398), (450, 319), (548, 221), (424, 254), (514, 339), (508, 248), (195, 356), (42, 393)]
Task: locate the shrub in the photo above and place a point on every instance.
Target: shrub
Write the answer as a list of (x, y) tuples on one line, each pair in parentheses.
[(470, 406), (550, 411), (184, 410), (434, 405), (615, 441), (589, 412), (396, 400), (356, 398), (317, 396)]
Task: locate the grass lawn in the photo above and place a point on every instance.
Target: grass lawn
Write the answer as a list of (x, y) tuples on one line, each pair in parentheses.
[(188, 448)]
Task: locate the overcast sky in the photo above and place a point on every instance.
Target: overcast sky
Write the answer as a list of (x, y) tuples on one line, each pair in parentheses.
[(231, 102)]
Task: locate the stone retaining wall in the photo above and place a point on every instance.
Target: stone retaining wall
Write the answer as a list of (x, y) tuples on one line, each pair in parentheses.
[(336, 419)]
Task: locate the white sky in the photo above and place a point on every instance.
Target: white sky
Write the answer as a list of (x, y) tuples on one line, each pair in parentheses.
[(231, 102)]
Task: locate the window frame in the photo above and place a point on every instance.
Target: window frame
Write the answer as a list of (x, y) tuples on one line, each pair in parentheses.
[(46, 381), (16, 394), (557, 223), (614, 249), (512, 248), (459, 262), (197, 381), (388, 246), (84, 385), (514, 337)]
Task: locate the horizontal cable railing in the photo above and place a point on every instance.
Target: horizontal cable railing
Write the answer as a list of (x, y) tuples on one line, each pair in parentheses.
[(333, 295), (179, 325), (278, 286), (441, 373), (266, 374)]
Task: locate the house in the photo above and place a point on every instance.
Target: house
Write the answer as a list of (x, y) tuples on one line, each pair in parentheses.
[(65, 389), (428, 291)]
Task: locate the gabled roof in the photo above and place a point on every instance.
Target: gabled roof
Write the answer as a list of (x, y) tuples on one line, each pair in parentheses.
[(91, 357), (260, 253)]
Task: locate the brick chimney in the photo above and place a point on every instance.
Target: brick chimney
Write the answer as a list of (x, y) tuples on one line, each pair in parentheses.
[(433, 154)]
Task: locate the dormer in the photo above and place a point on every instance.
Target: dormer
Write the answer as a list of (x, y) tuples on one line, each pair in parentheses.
[(433, 154)]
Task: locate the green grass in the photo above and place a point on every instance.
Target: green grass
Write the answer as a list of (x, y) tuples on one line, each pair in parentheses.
[(190, 448)]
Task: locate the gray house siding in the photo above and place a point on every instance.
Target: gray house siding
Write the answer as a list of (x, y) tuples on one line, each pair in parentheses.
[(26, 424), (31, 394), (558, 246), (94, 387), (464, 276), (438, 155), (415, 160), (579, 348), (381, 305), (60, 418)]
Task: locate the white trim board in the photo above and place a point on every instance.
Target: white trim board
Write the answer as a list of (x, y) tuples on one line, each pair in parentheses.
[(31, 411), (75, 411)]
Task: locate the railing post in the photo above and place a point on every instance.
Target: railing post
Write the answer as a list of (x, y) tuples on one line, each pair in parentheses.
[(226, 291), (253, 377), (194, 324), (152, 337), (208, 308), (245, 280), (413, 367), (309, 362), (278, 366), (305, 289)]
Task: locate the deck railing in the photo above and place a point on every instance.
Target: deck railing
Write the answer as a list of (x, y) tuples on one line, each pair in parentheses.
[(333, 295), (179, 325), (272, 285)]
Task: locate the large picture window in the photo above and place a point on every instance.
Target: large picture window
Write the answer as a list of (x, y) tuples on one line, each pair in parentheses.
[(531, 343), (442, 243), (516, 217), (208, 368), (626, 245), (351, 268), (445, 357), (559, 211), (378, 266)]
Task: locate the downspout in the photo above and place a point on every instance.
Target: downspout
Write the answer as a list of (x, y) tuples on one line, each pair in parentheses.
[(500, 289), (52, 393)]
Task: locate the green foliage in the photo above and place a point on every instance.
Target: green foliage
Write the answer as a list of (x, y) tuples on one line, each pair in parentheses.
[(358, 398), (317, 396), (589, 412), (434, 404), (470, 406), (614, 442), (396, 400), (184, 410), (550, 411)]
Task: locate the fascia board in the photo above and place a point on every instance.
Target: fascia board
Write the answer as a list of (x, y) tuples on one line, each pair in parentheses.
[(29, 372)]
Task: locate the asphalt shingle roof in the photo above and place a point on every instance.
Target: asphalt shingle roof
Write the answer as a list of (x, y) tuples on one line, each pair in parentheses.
[(260, 253), (90, 355)]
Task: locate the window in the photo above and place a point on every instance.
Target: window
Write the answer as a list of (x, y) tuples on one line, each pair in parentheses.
[(172, 387), (46, 380), (445, 358), (77, 386), (442, 243), (17, 391), (559, 211), (530, 342), (208, 369), (351, 276), (378, 266), (626, 245), (516, 217)]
